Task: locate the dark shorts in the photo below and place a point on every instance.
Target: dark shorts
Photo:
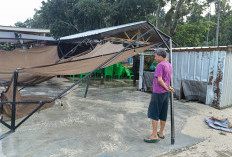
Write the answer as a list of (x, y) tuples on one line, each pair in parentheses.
[(158, 107)]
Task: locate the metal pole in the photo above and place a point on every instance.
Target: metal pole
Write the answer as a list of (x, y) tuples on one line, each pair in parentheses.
[(87, 87), (14, 99), (162, 38), (171, 98), (218, 21), (208, 28), (6, 134), (41, 104)]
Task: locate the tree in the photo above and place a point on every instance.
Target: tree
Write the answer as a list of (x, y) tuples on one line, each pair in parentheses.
[(193, 34), (20, 24), (178, 9), (221, 7)]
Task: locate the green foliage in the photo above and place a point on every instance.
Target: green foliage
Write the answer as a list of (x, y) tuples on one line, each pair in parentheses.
[(226, 32), (192, 34)]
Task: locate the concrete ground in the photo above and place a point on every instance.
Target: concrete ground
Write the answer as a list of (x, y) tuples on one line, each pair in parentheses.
[(111, 122)]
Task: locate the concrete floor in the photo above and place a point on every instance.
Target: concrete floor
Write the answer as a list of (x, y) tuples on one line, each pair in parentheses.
[(112, 121)]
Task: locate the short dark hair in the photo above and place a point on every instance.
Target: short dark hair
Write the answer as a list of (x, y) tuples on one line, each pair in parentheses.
[(161, 52)]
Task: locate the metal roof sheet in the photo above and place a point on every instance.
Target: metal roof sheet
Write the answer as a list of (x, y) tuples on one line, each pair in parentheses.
[(18, 29), (204, 48), (14, 37), (99, 31)]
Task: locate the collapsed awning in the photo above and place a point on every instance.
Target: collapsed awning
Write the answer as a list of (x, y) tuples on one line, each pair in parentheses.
[(115, 44), (126, 32)]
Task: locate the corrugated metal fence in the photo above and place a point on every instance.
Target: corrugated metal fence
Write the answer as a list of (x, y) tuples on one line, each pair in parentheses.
[(204, 73)]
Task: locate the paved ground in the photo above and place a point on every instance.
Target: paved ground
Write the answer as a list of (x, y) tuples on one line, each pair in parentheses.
[(111, 122)]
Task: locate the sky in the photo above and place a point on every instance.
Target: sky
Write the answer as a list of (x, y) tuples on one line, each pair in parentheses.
[(12, 11)]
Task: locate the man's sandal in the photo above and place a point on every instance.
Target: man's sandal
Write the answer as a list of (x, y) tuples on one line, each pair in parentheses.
[(163, 137), (150, 140)]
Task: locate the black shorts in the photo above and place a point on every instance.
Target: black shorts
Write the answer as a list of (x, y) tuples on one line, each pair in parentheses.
[(158, 107)]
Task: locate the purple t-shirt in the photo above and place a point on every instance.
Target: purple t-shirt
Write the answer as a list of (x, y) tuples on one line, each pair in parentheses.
[(164, 70)]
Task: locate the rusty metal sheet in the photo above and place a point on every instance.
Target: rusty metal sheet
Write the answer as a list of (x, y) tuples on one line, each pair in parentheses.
[(204, 66)]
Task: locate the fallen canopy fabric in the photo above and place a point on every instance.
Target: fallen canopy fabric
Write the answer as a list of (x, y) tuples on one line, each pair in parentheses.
[(18, 58), (79, 66), (21, 109), (38, 64), (100, 50), (36, 56)]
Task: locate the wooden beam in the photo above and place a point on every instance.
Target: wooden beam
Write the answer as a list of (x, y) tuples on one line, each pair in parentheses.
[(139, 34), (149, 37), (127, 35), (134, 36), (119, 39)]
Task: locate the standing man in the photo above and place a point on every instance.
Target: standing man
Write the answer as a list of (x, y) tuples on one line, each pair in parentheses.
[(158, 107)]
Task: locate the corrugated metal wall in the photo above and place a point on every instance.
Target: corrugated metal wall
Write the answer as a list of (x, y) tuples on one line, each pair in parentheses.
[(204, 66), (227, 84)]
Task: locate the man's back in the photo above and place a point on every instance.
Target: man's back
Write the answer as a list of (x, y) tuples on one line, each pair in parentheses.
[(163, 70)]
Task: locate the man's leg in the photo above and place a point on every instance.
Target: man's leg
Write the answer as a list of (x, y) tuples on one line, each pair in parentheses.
[(154, 130), (163, 114), (155, 127), (162, 125), (153, 114)]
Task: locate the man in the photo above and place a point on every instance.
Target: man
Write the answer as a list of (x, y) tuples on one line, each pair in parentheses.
[(158, 107)]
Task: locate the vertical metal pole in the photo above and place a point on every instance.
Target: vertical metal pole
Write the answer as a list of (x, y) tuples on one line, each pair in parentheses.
[(134, 70), (208, 28), (87, 87), (14, 99), (171, 99), (141, 67), (218, 21)]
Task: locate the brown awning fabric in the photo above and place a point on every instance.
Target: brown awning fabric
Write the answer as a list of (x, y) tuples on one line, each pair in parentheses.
[(18, 58), (36, 56), (47, 56), (100, 50), (21, 109), (79, 66)]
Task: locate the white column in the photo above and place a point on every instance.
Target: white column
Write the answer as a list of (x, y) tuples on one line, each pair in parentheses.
[(141, 67)]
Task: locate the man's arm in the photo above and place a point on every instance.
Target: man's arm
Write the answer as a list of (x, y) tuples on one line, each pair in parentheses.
[(161, 82)]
